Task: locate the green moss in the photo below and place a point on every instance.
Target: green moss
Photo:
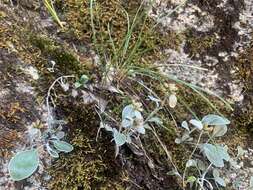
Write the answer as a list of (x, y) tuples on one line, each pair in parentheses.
[(92, 164), (81, 169), (65, 60)]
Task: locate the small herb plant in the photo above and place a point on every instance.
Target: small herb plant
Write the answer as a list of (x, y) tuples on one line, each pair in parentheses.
[(25, 163), (132, 123), (214, 155)]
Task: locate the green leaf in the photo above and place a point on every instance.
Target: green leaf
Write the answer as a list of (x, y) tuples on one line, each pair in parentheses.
[(23, 164), (119, 138), (215, 154), (83, 79), (196, 123), (212, 119), (191, 179), (63, 146)]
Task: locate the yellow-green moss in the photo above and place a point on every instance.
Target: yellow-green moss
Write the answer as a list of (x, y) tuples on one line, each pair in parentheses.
[(65, 60), (92, 163), (200, 44)]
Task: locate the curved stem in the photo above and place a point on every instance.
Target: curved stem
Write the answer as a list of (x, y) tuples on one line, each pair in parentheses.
[(190, 157)]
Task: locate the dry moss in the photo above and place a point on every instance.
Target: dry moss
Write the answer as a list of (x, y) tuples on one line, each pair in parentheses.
[(244, 68), (200, 44)]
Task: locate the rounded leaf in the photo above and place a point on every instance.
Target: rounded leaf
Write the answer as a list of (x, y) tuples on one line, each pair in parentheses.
[(212, 119), (220, 181), (141, 130), (128, 112), (219, 130), (185, 125), (196, 123), (216, 154), (119, 138), (23, 164), (62, 146)]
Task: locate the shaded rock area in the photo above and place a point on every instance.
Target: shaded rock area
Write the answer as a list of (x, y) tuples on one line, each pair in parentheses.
[(209, 43)]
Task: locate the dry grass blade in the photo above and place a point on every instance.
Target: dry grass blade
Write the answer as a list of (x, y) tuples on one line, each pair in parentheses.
[(50, 7)]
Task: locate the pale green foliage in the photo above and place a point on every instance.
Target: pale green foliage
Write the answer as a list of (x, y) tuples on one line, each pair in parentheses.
[(23, 164), (212, 119), (217, 178), (83, 80), (62, 146), (215, 155)]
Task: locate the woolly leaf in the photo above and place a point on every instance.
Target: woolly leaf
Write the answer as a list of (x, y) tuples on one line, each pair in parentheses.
[(23, 164), (119, 138), (128, 112), (215, 154), (220, 181), (219, 130), (62, 146), (212, 119), (196, 123)]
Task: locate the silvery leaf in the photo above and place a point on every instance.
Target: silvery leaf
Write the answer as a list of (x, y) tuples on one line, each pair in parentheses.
[(240, 151), (128, 112), (251, 182), (219, 130), (62, 146), (185, 125), (140, 130), (119, 138), (196, 123), (127, 123), (220, 181), (52, 152), (215, 154), (156, 100), (74, 93), (23, 164), (216, 173), (212, 119), (108, 128), (201, 165), (60, 134), (178, 141), (138, 115)]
